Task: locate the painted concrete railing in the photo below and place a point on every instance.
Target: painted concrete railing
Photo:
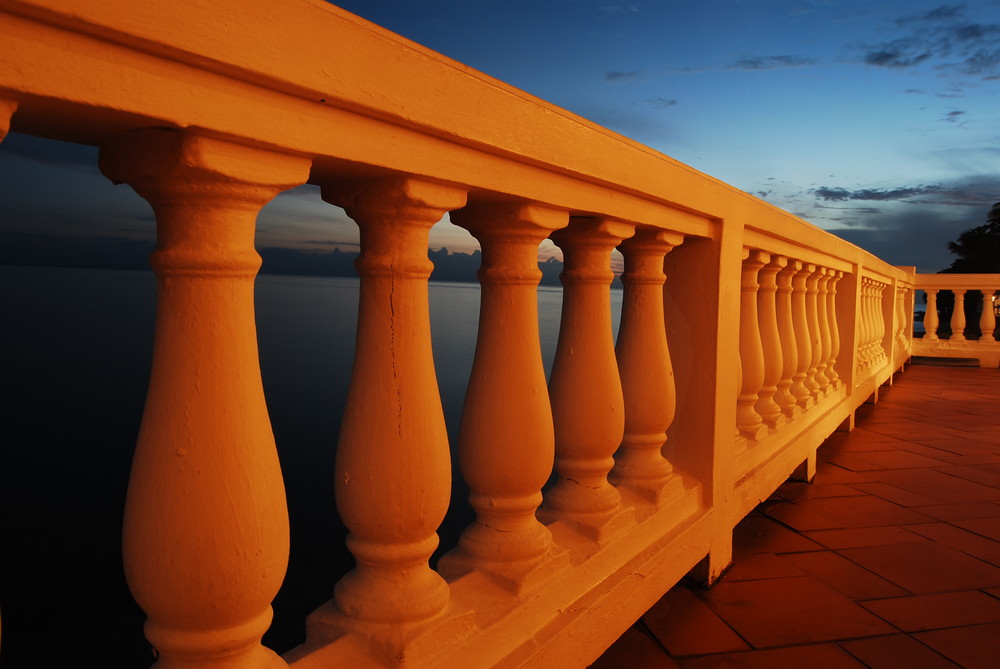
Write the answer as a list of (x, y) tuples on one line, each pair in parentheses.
[(767, 337), (960, 331)]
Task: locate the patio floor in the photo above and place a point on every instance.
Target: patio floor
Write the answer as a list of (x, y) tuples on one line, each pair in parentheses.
[(890, 558)]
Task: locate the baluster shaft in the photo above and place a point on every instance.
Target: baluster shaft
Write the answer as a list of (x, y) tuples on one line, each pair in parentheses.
[(831, 367), (815, 341), (931, 315), (647, 374), (506, 442), (588, 407), (206, 527), (987, 320), (766, 406), (822, 315), (958, 316), (393, 466), (789, 347), (802, 339)]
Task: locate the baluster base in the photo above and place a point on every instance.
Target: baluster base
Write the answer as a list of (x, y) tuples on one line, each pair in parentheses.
[(400, 645), (514, 576), (600, 527)]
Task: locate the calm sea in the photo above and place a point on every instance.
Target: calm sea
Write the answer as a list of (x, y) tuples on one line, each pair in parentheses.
[(75, 349)]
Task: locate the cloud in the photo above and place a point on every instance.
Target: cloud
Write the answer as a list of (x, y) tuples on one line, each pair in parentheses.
[(661, 103), (619, 8), (943, 12), (944, 37), (772, 62), (954, 116), (621, 77), (898, 54), (872, 194)]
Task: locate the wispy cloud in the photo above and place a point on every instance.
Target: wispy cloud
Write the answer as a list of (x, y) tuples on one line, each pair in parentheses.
[(978, 191), (661, 103), (955, 117), (772, 62), (943, 37), (619, 8), (617, 77), (842, 194)]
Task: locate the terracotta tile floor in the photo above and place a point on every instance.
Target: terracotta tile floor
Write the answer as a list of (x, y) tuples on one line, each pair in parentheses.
[(890, 558)]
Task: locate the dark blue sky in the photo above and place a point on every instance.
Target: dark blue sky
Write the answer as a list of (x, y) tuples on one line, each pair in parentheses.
[(879, 121)]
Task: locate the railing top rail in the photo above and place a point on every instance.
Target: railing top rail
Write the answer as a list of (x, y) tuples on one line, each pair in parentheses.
[(950, 281), (310, 78)]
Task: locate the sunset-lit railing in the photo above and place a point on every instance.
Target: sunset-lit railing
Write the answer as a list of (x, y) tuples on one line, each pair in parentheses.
[(966, 328), (765, 338)]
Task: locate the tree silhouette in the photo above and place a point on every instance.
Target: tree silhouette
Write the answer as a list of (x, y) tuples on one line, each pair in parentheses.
[(978, 251)]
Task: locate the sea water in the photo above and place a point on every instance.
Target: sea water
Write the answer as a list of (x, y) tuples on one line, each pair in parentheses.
[(75, 353)]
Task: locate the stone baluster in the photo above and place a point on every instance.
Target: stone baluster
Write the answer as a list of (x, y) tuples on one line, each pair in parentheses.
[(834, 325), (506, 440), (647, 373), (958, 316), (822, 317), (588, 407), (987, 320), (901, 323), (931, 320), (769, 410), (393, 466), (879, 321), (802, 339), (786, 334), (815, 341), (866, 338), (206, 528), (748, 420)]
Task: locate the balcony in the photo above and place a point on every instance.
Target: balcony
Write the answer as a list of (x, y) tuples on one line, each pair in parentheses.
[(747, 338)]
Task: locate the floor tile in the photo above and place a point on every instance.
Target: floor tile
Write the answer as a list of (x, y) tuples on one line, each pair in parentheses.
[(757, 566), (891, 493), (947, 609), (786, 611), (825, 656), (759, 534), (975, 647), (893, 652), (864, 536), (844, 576), (962, 540), (843, 512), (635, 649), (685, 625), (938, 485), (987, 527), (926, 567), (963, 511)]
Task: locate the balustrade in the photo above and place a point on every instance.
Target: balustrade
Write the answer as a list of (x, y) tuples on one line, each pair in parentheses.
[(981, 345), (647, 479)]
